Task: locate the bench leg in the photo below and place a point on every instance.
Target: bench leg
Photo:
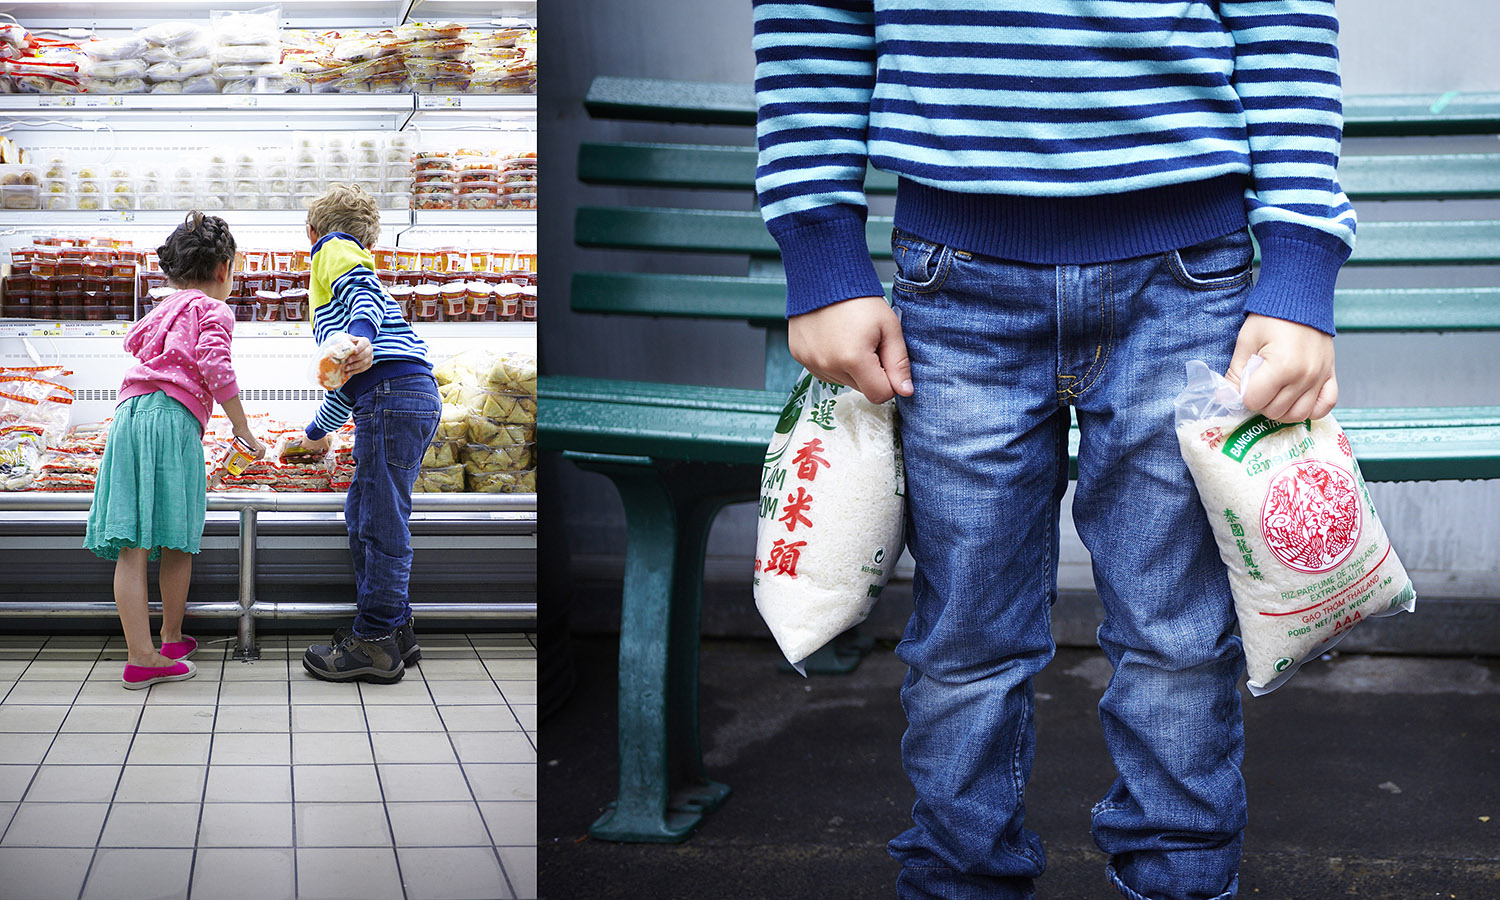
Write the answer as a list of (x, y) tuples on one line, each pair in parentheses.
[(663, 793)]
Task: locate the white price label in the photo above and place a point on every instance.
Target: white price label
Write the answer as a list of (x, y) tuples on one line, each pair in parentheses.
[(243, 102), (47, 331), (428, 101), (117, 217), (110, 100), (56, 101)]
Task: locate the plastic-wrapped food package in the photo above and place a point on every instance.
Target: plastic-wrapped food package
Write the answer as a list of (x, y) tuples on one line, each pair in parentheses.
[(1307, 556), (203, 84), (163, 72), (173, 34), (254, 26), (130, 47)]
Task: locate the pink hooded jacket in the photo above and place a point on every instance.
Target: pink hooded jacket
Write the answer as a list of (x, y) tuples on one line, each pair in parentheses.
[(183, 348)]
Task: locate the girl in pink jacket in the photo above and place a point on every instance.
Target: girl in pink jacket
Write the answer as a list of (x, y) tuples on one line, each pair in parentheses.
[(151, 495)]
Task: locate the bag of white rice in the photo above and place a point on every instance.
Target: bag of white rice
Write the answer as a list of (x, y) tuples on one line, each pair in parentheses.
[(832, 510), (1308, 558)]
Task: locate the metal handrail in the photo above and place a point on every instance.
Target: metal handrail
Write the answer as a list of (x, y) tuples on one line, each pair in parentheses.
[(249, 504)]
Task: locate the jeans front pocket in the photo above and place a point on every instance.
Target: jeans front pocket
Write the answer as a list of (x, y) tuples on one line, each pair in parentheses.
[(1220, 262), (921, 265)]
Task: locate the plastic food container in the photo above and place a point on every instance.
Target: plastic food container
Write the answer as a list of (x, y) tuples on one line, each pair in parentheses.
[(479, 296), (20, 196), (455, 302), (434, 200), (403, 295), (294, 305), (427, 300), (57, 201), (268, 306)]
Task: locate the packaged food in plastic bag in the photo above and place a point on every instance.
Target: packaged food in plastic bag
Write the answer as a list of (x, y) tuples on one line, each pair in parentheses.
[(327, 369), (832, 510), (1308, 558)]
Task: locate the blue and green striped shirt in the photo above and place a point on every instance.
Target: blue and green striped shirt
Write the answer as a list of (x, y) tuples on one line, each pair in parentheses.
[(346, 296), (1055, 131)]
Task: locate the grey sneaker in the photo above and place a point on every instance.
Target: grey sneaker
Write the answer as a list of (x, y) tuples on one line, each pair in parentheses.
[(356, 659), (406, 640)]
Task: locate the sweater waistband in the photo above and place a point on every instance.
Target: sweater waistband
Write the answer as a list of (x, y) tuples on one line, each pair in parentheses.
[(1074, 230)]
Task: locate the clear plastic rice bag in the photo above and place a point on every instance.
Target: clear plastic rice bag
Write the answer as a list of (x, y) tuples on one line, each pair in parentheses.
[(327, 369), (1308, 557), (832, 513)]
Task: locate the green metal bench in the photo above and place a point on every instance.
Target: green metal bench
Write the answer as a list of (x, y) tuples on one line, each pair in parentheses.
[(679, 453)]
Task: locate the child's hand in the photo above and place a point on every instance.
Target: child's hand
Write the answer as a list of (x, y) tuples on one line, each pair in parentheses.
[(255, 445), (315, 446), (1296, 379), (857, 343), (361, 359)]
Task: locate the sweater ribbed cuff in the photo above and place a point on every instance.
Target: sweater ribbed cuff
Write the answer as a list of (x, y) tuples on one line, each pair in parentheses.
[(827, 260), (227, 391), (1298, 269)]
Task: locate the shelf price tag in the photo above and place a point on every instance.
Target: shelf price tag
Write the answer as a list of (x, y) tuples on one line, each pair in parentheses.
[(429, 101), (106, 100), (243, 102), (55, 101), (116, 217), (47, 331)]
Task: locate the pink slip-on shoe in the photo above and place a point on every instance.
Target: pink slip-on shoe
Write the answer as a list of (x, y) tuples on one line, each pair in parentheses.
[(179, 649), (137, 677)]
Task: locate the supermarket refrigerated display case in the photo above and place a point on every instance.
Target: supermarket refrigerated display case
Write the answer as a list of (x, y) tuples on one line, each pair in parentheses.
[(461, 556)]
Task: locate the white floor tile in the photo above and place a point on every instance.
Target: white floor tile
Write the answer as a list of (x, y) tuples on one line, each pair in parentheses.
[(24, 748), (520, 868), (55, 825), (150, 825), (323, 717), (252, 718), (342, 825), (161, 784), (424, 782), (479, 718), (14, 780), (246, 825), (336, 784), (511, 824), (330, 748), (441, 873), (412, 747), (177, 719), (240, 874), (16, 717), (502, 781), (348, 874), (452, 824), (249, 784), (169, 750), (88, 749), (231, 749), (136, 874), (493, 747), (403, 718), (102, 718), (74, 783), (44, 873)]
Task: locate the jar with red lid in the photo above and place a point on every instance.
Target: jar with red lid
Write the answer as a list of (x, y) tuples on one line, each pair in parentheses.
[(386, 277), (433, 277), (255, 282), (426, 298), (283, 260), (257, 261), (455, 302), (267, 306), (281, 282), (402, 294), (294, 305)]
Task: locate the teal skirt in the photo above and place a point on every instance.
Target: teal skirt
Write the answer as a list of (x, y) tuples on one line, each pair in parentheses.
[(152, 489)]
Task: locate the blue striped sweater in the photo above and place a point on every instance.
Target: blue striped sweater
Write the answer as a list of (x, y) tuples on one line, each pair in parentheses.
[(1055, 131), (346, 296)]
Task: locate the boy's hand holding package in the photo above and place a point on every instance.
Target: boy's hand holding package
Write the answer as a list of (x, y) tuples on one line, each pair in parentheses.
[(1295, 380), (856, 343)]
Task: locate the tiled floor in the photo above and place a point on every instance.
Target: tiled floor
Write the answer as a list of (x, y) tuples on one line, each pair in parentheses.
[(255, 780)]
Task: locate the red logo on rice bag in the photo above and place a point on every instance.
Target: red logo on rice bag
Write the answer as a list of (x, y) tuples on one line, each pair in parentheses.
[(1344, 445), (1311, 517)]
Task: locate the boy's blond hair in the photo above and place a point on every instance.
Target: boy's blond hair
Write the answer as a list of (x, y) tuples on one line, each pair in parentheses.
[(347, 208)]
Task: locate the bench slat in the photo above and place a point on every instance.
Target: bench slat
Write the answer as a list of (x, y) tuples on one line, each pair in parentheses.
[(666, 421), (733, 103), (736, 231), (1420, 177), (763, 300)]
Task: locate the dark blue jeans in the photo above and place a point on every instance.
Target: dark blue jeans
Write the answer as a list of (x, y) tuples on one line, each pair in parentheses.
[(999, 352), (393, 424)]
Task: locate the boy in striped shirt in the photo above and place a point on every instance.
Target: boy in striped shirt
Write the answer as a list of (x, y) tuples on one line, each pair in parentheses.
[(1079, 181), (393, 398)]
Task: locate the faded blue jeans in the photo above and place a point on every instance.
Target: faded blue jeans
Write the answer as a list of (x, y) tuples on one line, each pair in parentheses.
[(394, 421), (999, 351)]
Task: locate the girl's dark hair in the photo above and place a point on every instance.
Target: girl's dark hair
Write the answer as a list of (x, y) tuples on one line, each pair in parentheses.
[(193, 250)]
